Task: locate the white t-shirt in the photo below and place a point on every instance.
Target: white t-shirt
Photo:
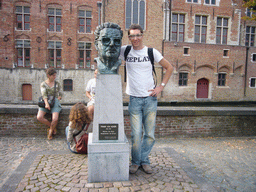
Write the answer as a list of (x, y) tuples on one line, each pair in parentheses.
[(139, 71), (91, 85)]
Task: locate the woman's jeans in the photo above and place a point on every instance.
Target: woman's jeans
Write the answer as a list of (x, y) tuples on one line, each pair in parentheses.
[(68, 143), (142, 113)]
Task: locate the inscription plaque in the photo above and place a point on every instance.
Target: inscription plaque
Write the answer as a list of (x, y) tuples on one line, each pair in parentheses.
[(108, 131)]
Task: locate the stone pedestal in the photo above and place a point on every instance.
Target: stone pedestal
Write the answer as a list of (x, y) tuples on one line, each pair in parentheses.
[(108, 147)]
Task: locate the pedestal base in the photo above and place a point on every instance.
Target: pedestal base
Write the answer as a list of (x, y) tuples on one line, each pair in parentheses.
[(108, 162)]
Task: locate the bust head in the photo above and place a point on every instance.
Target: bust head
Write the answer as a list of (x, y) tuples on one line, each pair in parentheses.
[(108, 41)]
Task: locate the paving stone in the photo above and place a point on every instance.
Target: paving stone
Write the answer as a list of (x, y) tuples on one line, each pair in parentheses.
[(89, 185), (84, 190), (155, 189), (103, 190), (126, 183), (113, 189), (79, 185), (75, 190), (45, 189), (19, 189), (66, 189), (108, 185), (136, 188), (124, 189), (98, 185), (61, 170), (117, 184), (34, 189)]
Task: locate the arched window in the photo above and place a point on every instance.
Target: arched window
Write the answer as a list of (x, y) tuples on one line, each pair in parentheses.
[(23, 52), (135, 13), (54, 19), (54, 53), (22, 17), (85, 21), (85, 49)]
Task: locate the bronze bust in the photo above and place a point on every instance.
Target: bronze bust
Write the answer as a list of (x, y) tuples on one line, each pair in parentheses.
[(108, 41)]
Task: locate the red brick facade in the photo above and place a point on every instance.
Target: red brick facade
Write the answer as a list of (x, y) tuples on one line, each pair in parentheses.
[(219, 54), (173, 124), (39, 33)]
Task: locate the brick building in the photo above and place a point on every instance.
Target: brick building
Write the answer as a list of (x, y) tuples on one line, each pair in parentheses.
[(207, 41), (39, 34)]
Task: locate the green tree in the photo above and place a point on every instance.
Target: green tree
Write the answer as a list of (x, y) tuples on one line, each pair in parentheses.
[(250, 4)]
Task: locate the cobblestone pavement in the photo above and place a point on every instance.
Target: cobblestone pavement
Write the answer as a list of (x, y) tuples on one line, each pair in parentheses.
[(228, 164), (203, 164)]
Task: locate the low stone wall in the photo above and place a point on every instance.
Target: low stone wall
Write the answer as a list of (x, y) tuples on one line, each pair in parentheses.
[(20, 120)]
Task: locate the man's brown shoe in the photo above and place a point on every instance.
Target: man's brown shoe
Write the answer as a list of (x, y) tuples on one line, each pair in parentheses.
[(133, 169), (147, 169)]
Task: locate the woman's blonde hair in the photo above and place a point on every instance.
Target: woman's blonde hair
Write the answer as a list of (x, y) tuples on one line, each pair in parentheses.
[(79, 115)]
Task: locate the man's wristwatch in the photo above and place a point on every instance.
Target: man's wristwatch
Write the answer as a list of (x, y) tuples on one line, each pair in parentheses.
[(163, 84)]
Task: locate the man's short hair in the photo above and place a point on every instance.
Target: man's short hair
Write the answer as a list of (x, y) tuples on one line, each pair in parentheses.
[(106, 25), (135, 26)]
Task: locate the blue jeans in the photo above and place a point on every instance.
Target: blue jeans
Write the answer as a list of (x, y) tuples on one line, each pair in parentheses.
[(142, 112), (68, 143)]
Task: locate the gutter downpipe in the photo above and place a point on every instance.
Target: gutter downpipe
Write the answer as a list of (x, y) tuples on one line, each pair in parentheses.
[(162, 71), (170, 19), (165, 22), (245, 70), (99, 4), (103, 10)]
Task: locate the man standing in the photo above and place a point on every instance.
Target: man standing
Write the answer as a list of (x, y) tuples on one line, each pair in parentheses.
[(143, 97)]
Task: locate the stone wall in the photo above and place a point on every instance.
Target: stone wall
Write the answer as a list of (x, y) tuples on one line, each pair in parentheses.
[(11, 81), (171, 121)]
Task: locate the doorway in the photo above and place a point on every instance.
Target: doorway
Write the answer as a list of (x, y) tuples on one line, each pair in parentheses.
[(202, 88), (26, 92)]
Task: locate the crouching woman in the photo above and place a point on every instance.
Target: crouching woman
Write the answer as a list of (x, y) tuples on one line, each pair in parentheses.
[(79, 122)]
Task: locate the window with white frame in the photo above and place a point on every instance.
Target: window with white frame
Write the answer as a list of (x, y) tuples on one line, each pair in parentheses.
[(178, 27), (254, 57), (85, 50), (250, 36), (226, 53), (183, 79), (250, 12), (222, 79), (22, 18), (85, 21), (54, 19), (54, 54), (222, 30), (186, 51), (135, 13), (252, 82), (210, 2), (200, 28), (192, 1), (23, 53)]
